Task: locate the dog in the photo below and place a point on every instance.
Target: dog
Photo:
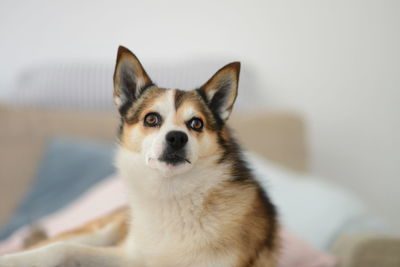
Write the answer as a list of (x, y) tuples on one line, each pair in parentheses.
[(193, 201)]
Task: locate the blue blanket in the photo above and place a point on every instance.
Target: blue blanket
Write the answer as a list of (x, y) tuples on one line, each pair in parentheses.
[(69, 167)]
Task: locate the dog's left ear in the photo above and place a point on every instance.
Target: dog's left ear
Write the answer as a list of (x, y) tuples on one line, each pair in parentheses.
[(130, 79), (221, 90)]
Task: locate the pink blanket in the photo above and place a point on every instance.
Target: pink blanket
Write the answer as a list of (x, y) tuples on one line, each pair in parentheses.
[(109, 194)]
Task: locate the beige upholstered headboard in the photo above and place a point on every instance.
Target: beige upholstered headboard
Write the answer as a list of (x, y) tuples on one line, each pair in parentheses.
[(277, 136)]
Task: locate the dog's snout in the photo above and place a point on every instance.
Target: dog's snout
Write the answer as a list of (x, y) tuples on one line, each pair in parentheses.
[(176, 139)]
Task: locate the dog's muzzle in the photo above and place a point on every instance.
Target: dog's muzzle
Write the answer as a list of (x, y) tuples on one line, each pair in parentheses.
[(175, 152)]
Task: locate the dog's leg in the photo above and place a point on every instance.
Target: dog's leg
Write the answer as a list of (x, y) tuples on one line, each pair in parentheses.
[(67, 255), (108, 230), (84, 246)]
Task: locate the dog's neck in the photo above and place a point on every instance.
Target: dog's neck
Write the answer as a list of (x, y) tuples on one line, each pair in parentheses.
[(162, 204)]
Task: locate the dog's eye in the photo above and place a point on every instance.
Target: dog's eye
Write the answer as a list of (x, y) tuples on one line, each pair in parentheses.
[(152, 119), (196, 124)]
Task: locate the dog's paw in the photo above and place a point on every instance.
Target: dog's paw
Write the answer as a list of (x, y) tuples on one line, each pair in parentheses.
[(24, 259), (12, 261), (48, 256)]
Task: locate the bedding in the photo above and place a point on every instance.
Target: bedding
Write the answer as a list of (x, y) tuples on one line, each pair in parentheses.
[(312, 207), (71, 185), (109, 195), (68, 168)]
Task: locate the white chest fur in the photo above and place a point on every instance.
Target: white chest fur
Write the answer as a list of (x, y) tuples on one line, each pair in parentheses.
[(170, 226), (172, 234)]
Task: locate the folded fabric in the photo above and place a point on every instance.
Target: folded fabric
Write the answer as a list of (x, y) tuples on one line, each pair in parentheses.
[(109, 195), (310, 206), (69, 167)]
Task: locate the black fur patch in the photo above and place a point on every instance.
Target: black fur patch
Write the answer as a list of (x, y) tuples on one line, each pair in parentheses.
[(173, 157), (272, 214), (129, 94), (219, 98), (219, 123)]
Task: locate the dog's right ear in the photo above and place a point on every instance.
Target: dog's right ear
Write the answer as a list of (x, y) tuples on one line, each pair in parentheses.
[(130, 79)]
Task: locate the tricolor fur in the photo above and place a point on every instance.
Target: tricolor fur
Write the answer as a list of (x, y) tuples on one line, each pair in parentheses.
[(192, 199)]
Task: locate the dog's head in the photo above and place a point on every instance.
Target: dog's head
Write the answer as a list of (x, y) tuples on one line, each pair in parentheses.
[(172, 130)]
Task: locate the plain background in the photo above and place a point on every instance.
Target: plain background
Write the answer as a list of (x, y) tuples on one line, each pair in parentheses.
[(337, 63)]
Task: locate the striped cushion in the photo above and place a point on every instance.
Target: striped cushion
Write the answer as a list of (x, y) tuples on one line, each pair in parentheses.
[(89, 86)]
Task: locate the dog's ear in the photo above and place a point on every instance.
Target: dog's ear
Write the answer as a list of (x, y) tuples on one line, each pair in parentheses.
[(130, 79), (221, 90)]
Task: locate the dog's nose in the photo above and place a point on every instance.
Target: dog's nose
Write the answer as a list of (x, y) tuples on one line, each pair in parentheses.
[(177, 139)]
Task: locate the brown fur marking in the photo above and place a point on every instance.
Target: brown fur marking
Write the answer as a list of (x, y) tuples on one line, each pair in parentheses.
[(119, 217)]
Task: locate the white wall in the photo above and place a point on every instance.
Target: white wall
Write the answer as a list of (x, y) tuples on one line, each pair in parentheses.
[(336, 62)]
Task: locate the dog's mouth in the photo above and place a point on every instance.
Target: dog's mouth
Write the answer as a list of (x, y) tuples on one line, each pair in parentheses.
[(173, 159)]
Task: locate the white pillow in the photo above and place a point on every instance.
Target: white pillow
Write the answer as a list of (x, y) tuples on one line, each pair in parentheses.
[(314, 209)]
